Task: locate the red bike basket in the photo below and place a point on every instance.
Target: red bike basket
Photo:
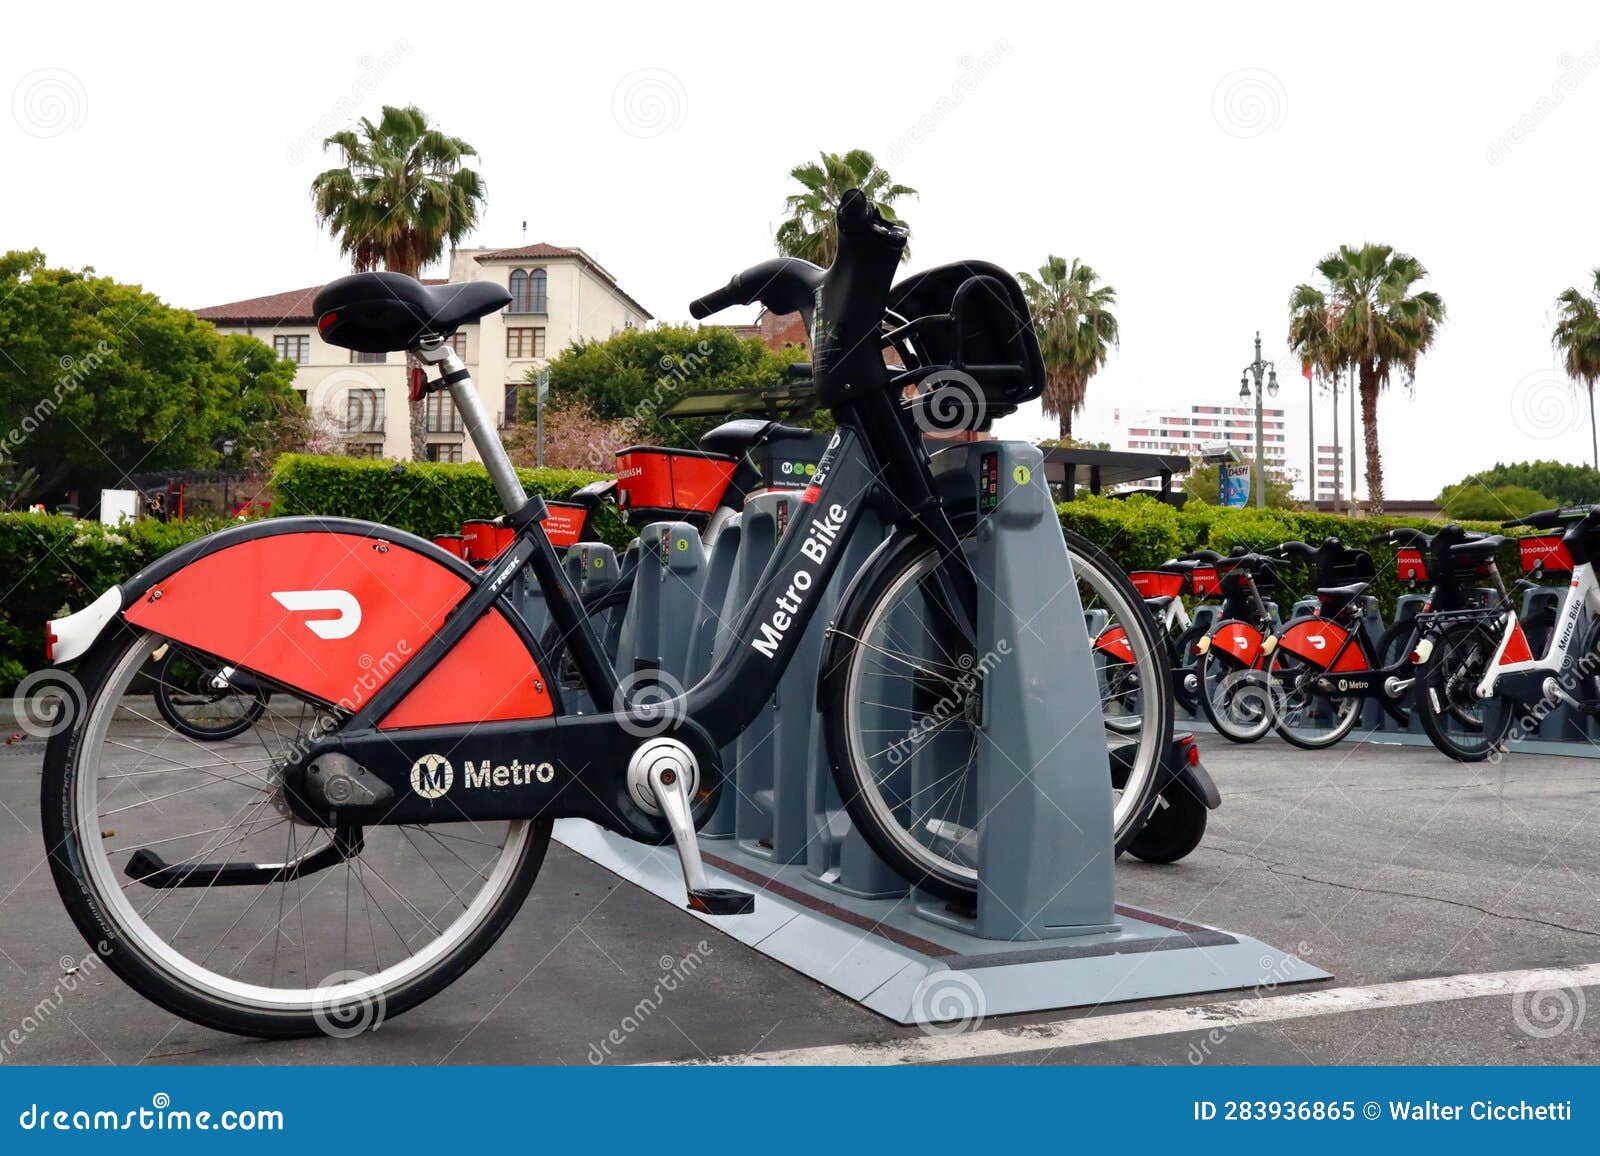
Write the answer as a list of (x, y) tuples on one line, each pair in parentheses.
[(564, 523), (1410, 566), (1204, 581), (1157, 583), (482, 539), (1544, 554), (451, 544), (655, 484)]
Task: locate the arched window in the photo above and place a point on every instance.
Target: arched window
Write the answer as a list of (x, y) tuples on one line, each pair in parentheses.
[(528, 291)]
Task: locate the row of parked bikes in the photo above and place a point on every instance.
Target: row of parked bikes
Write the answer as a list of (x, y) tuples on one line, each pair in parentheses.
[(1464, 659)]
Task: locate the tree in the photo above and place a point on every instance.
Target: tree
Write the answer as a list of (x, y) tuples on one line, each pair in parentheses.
[(1373, 320), (1577, 338), (1076, 328), (102, 380), (811, 231), (400, 196), (1566, 484), (629, 379), (1475, 501)]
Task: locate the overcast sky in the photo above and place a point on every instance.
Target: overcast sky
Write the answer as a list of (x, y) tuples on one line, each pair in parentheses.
[(1200, 157)]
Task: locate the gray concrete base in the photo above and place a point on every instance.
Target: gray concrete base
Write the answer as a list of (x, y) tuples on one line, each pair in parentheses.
[(887, 956)]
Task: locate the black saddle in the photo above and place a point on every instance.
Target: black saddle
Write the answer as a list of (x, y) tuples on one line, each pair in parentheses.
[(736, 438), (391, 313)]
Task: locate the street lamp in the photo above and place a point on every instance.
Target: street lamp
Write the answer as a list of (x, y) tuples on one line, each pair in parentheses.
[(1256, 369)]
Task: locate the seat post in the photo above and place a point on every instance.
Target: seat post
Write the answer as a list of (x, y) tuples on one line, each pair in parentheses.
[(478, 426)]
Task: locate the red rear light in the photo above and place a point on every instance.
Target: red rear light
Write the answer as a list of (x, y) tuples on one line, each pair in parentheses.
[(50, 641), (326, 320), (1191, 750)]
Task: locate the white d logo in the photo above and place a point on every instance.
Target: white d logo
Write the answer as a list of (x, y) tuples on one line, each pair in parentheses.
[(432, 776)]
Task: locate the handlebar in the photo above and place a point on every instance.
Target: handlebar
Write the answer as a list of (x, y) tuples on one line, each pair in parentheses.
[(843, 305), (1551, 519), (783, 285)]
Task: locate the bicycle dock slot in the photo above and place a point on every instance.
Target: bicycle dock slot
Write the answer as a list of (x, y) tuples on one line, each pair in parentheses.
[(1035, 818)]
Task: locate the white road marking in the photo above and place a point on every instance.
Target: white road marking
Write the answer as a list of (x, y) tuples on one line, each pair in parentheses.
[(990, 1042)]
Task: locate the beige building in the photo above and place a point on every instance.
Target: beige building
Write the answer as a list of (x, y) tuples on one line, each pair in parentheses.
[(558, 296)]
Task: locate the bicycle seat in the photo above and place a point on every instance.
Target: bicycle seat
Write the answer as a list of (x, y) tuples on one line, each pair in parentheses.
[(1478, 549), (391, 313), (1344, 593), (736, 438)]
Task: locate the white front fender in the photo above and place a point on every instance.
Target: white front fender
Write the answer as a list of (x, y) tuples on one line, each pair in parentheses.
[(71, 637)]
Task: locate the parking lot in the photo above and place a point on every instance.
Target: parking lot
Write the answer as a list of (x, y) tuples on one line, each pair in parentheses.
[(1377, 864)]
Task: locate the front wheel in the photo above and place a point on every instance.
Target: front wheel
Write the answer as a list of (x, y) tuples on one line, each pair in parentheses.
[(141, 820), (1460, 724)]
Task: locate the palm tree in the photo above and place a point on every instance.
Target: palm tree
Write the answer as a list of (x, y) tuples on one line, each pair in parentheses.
[(1076, 328), (1377, 322), (1577, 339), (400, 196), (811, 231)]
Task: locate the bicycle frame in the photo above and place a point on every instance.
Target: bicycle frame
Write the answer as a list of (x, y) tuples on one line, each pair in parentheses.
[(1513, 657), (580, 766)]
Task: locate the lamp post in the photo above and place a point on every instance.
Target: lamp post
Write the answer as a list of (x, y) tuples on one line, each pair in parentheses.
[(1257, 369)]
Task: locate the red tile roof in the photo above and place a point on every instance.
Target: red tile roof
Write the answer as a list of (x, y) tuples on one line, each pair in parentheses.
[(533, 252), (291, 308)]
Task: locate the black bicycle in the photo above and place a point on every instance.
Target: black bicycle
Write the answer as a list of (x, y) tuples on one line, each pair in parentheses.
[(438, 752)]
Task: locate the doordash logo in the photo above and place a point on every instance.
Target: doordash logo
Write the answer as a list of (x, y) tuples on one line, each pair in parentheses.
[(340, 603)]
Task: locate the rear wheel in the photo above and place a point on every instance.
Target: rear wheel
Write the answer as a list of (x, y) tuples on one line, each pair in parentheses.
[(1462, 725), (130, 803), (903, 710)]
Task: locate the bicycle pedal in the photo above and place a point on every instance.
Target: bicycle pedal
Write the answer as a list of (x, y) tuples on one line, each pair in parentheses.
[(721, 901)]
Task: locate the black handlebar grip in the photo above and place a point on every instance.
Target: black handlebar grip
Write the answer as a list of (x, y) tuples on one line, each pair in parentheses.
[(716, 301)]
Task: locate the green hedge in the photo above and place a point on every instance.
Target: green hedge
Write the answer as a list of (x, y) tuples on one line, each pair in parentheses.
[(426, 498), (57, 564)]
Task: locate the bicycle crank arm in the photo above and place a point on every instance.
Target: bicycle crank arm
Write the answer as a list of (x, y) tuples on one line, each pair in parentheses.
[(148, 867), (662, 776)]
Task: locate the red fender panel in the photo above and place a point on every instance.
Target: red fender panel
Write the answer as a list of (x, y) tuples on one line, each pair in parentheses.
[(1316, 640), (336, 615), (1239, 639), (1115, 643)]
